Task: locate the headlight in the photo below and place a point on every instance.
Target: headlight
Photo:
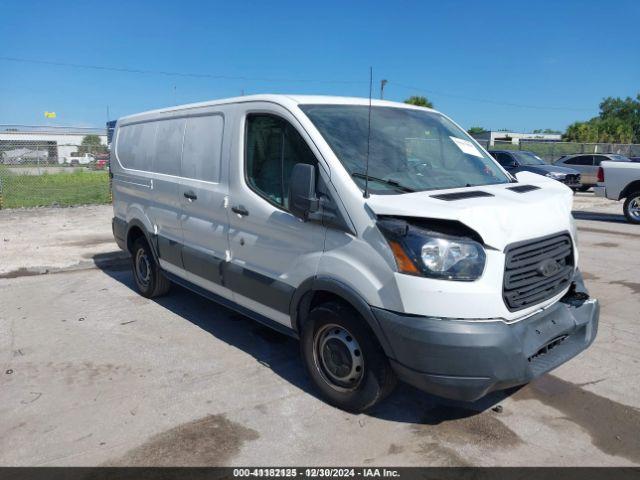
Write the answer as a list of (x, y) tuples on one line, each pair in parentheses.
[(555, 175), (432, 254)]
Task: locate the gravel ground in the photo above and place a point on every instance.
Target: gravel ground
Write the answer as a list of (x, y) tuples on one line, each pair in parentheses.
[(37, 240)]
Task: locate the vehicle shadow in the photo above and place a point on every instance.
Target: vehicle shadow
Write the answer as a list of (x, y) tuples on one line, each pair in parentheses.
[(600, 217), (280, 353)]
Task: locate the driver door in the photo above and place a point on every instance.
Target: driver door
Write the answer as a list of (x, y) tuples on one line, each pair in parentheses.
[(272, 251)]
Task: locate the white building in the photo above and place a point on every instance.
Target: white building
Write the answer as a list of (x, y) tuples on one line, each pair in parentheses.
[(492, 136), (44, 143)]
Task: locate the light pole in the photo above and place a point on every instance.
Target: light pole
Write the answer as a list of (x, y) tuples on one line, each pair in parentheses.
[(382, 84)]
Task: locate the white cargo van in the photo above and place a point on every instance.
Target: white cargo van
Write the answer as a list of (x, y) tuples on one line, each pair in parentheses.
[(428, 262)]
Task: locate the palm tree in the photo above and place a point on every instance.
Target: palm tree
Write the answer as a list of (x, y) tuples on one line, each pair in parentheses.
[(419, 101)]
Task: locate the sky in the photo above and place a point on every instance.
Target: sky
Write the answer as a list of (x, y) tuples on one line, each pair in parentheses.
[(498, 65)]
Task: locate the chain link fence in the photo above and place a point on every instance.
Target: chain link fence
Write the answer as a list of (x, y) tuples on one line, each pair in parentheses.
[(34, 174), (550, 151)]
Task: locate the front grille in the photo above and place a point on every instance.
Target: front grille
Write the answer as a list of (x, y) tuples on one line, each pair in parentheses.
[(572, 179), (530, 274)]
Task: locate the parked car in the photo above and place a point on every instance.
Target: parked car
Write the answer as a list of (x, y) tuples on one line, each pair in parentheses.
[(587, 165), (85, 159), (515, 161), (101, 161), (424, 260), (635, 159), (101, 164), (621, 181)]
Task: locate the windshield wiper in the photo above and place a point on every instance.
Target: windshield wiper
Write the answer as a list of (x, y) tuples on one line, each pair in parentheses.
[(386, 181)]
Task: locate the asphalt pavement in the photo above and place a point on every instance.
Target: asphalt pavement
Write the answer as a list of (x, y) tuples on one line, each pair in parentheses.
[(94, 374)]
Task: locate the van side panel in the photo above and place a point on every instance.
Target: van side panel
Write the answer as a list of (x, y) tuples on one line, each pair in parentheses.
[(131, 190), (143, 194)]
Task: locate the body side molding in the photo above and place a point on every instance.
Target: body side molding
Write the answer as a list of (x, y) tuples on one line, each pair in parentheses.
[(231, 305)]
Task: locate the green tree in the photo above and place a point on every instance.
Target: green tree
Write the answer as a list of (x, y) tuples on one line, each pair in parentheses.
[(91, 144), (476, 130), (608, 130), (419, 101), (546, 130), (618, 122)]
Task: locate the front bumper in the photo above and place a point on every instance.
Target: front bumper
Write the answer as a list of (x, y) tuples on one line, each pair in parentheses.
[(571, 183), (466, 359)]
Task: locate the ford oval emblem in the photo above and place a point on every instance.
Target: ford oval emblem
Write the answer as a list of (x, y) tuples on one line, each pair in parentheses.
[(548, 267)]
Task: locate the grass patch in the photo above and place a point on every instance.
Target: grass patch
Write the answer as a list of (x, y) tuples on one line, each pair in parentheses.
[(64, 189)]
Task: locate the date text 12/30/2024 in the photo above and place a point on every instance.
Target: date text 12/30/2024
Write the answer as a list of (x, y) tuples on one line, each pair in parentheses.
[(316, 472)]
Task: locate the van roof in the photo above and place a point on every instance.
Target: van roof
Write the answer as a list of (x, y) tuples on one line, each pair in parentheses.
[(285, 100)]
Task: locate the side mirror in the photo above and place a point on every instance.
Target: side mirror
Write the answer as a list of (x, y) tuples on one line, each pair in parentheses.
[(302, 190)]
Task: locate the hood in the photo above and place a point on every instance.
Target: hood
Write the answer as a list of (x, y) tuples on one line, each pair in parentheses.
[(501, 219), (543, 169)]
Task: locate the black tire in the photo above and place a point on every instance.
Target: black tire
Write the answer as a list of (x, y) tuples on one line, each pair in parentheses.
[(631, 206), (584, 188), (147, 274), (375, 379)]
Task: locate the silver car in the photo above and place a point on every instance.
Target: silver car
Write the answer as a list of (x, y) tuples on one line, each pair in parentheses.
[(587, 164)]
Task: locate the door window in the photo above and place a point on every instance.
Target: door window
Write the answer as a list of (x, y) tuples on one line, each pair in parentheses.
[(598, 159), (202, 148), (504, 159), (273, 146), (580, 160)]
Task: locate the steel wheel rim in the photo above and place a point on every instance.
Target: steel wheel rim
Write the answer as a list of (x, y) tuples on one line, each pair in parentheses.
[(143, 267), (338, 357), (634, 208)]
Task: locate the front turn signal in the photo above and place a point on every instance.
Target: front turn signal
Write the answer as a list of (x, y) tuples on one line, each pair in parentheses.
[(405, 265)]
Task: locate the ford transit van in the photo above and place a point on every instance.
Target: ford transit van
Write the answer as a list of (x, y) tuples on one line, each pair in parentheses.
[(381, 235)]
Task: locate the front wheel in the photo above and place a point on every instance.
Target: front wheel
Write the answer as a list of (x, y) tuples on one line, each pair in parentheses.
[(632, 207), (343, 358)]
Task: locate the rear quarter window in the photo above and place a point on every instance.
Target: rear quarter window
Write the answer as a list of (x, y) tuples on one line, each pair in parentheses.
[(136, 145), (152, 146)]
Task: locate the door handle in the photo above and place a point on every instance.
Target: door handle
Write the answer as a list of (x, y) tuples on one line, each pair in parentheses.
[(190, 195), (240, 210)]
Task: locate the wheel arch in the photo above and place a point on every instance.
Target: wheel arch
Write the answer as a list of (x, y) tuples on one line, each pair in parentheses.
[(629, 189), (316, 290), (136, 229)]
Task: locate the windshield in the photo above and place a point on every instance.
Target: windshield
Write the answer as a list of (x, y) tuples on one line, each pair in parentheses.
[(528, 158), (410, 150)]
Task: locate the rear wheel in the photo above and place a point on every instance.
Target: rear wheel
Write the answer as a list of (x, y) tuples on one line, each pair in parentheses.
[(343, 358), (632, 207), (146, 272)]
